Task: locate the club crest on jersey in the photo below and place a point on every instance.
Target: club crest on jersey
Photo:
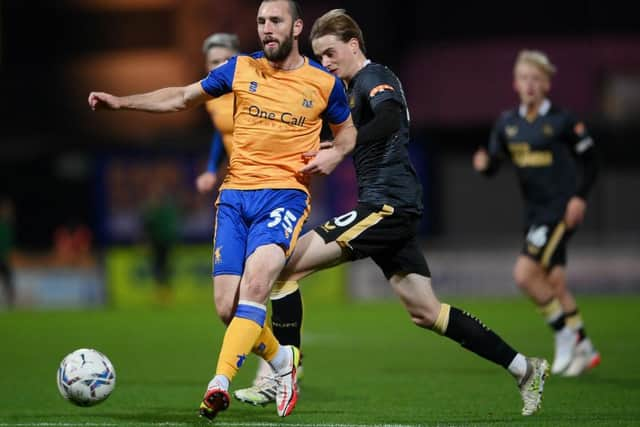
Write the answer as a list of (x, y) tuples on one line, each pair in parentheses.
[(511, 131), (253, 86), (307, 98), (547, 130)]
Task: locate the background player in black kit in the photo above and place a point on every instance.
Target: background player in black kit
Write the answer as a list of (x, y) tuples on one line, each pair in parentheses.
[(545, 143), (384, 223)]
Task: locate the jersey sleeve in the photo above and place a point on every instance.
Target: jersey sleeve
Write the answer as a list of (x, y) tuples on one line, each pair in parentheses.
[(337, 108), (583, 149), (377, 88), (577, 135), (496, 147), (497, 144), (216, 152), (220, 80)]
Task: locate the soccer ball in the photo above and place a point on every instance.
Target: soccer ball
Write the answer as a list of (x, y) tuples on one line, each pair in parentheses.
[(86, 377)]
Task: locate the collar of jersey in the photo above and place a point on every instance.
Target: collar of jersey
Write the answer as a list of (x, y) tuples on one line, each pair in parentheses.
[(544, 108)]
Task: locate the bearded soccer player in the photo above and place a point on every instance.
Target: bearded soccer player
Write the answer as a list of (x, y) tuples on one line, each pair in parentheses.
[(383, 225), (546, 144), (218, 48), (281, 98)]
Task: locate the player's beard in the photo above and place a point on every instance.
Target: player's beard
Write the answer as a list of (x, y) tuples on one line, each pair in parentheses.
[(282, 51)]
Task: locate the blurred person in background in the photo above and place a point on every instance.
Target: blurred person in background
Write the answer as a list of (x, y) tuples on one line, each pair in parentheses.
[(6, 248), (72, 244), (384, 223), (218, 48), (160, 219), (556, 166), (281, 99)]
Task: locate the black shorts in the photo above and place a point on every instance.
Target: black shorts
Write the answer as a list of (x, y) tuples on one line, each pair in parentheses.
[(389, 237), (547, 243)]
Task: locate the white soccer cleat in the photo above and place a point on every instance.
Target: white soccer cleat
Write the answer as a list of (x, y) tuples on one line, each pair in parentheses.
[(287, 390), (586, 357), (264, 388), (264, 370), (262, 392), (532, 385), (566, 341)]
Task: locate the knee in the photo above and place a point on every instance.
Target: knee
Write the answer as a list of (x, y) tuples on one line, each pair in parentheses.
[(258, 290), (521, 277)]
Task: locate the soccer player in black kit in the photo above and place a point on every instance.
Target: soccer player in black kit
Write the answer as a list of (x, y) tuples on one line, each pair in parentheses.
[(383, 225), (545, 143)]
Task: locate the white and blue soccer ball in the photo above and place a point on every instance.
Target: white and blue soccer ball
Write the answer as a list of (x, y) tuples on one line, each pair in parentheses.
[(86, 377)]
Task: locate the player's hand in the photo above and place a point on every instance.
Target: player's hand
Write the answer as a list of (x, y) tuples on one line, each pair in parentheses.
[(326, 144), (481, 160), (574, 214), (323, 163), (205, 182), (104, 101), (308, 155)]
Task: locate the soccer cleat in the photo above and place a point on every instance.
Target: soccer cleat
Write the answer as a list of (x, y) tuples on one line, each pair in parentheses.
[(287, 390), (264, 388), (264, 370), (586, 357), (532, 385), (261, 393), (215, 400), (566, 341)]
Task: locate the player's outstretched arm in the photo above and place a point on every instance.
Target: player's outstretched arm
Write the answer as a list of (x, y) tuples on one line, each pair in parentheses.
[(165, 100), (326, 160)]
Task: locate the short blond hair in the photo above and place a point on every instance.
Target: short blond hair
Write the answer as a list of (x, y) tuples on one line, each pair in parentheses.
[(336, 22), (538, 59)]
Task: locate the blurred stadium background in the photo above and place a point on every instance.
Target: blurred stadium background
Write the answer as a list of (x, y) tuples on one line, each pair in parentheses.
[(80, 181)]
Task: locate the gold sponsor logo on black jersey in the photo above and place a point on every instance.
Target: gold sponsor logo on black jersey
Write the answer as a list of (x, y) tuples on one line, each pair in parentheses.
[(523, 156)]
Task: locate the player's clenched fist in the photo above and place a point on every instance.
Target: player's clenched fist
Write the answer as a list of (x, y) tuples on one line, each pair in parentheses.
[(101, 100)]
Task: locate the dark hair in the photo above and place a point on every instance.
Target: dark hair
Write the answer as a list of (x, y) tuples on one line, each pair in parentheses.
[(294, 8), (336, 22)]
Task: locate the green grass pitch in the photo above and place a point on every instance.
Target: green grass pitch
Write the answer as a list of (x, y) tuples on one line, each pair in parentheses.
[(365, 364)]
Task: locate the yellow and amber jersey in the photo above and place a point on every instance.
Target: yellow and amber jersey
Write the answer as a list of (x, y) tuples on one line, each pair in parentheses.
[(221, 111), (277, 117)]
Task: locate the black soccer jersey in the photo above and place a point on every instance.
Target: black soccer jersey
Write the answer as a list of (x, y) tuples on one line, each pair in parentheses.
[(384, 172), (544, 151)]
